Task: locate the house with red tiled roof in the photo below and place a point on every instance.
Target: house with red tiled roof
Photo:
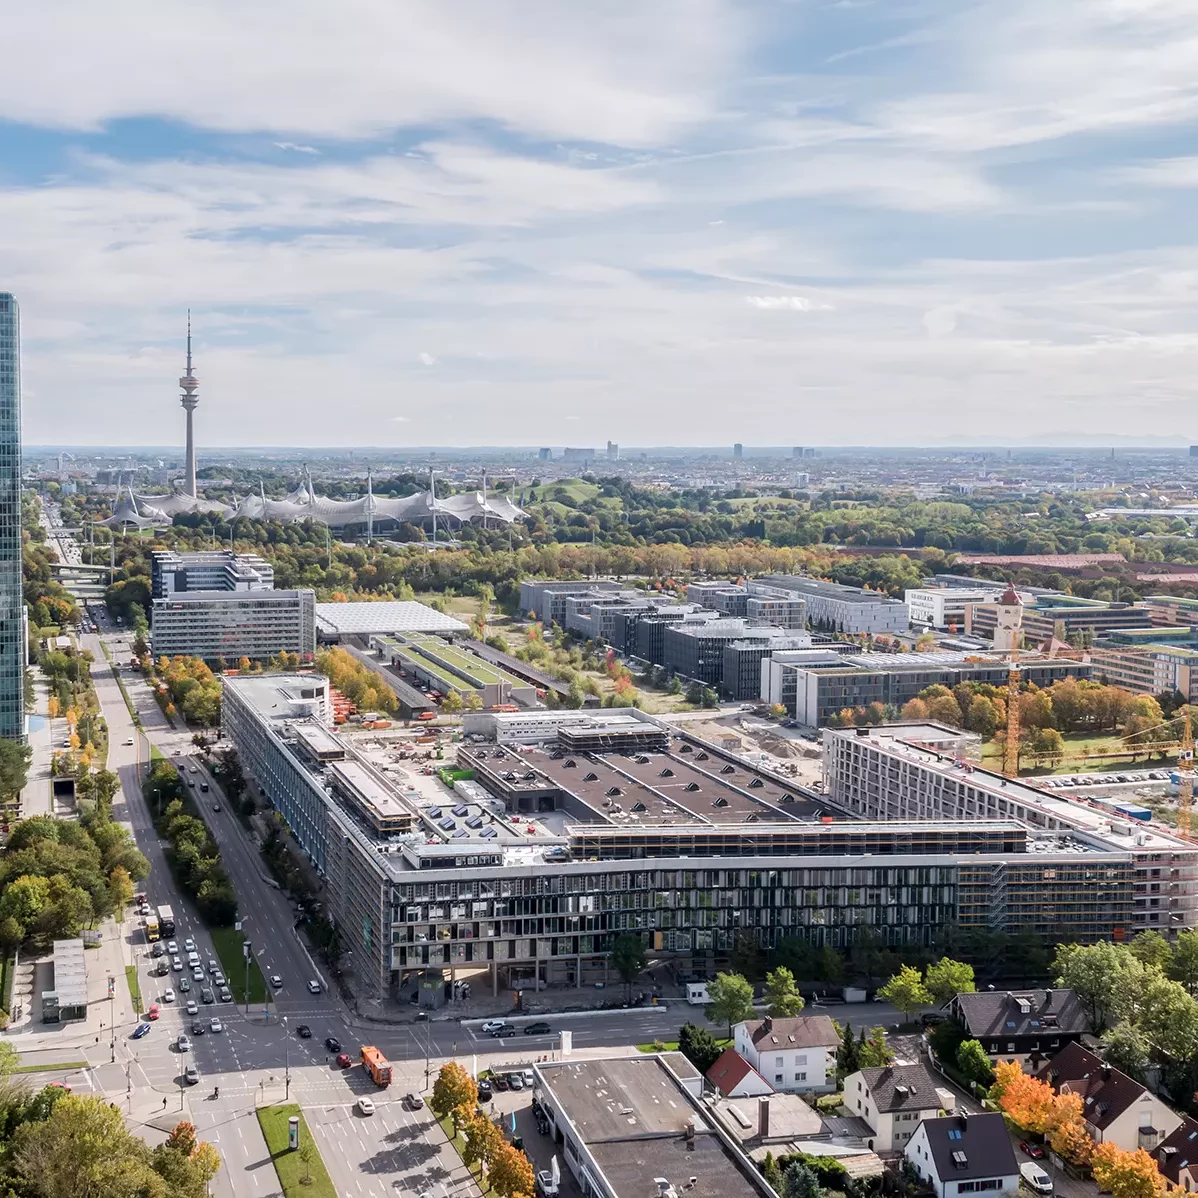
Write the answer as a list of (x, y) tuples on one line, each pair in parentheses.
[(1116, 1108), (796, 1054), (1176, 1157), (734, 1077)]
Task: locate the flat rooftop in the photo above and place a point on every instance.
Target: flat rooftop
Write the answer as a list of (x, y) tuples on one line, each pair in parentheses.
[(1079, 817), (830, 590), (632, 1115), (372, 619), (672, 788)]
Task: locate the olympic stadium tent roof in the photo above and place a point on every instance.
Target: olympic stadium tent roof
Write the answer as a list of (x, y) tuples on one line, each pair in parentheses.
[(377, 619)]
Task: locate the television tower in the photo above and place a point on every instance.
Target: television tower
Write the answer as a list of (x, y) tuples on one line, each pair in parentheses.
[(189, 399)]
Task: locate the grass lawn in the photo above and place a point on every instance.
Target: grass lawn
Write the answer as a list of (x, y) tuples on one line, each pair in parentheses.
[(672, 1045), (53, 1067), (575, 488), (156, 754), (287, 1163), (134, 987), (476, 1170), (227, 943), (7, 975), (1080, 743)]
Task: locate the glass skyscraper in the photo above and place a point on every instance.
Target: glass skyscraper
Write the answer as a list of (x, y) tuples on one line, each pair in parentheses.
[(12, 604)]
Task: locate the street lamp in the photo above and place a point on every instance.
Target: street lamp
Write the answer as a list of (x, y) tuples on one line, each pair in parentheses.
[(111, 1016), (286, 1060)]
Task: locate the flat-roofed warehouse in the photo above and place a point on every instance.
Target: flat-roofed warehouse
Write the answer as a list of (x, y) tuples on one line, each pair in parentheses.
[(337, 621)]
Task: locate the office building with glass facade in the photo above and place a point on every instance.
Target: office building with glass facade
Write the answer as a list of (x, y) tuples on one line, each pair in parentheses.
[(12, 600), (677, 840)]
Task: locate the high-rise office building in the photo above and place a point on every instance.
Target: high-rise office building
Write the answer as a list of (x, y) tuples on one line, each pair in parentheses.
[(12, 602)]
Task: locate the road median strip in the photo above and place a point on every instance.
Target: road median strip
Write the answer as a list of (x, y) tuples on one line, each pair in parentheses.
[(52, 1067), (134, 988), (289, 1162)]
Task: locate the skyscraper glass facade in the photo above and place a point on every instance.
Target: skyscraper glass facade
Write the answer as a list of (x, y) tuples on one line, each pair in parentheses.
[(12, 606)]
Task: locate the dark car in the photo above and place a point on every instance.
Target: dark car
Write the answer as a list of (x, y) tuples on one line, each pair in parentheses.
[(206, 995), (500, 1082), (1032, 1150), (538, 1029), (332, 1044), (485, 1090), (199, 1028), (142, 1029), (304, 1032)]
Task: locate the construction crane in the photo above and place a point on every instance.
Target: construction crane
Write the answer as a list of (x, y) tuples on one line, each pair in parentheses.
[(1010, 750), (1185, 776)]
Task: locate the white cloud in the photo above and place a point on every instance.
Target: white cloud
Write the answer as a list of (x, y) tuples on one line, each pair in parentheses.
[(290, 145), (631, 75), (427, 359), (787, 303)]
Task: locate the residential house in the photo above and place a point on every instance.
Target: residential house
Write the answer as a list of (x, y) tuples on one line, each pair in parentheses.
[(1116, 1109), (734, 1077), (1177, 1157), (964, 1154), (894, 1100), (795, 1054), (1027, 1026)]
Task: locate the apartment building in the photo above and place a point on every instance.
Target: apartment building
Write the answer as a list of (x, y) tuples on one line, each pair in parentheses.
[(835, 608), (884, 773), (218, 570), (942, 607), (227, 625)]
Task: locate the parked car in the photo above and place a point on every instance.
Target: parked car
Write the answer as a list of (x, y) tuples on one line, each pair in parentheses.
[(1032, 1150), (485, 1090), (515, 1081), (1035, 1177)]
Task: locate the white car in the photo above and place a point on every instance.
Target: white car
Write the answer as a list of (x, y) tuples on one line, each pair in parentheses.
[(314, 987), (215, 1026), (183, 1044), (176, 965), (192, 1009), (365, 1106), (493, 1027), (168, 995)]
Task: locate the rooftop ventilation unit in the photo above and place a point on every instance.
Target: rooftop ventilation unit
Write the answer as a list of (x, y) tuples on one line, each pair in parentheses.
[(460, 834), (728, 769), (720, 802), (590, 778), (475, 821), (639, 807), (692, 786), (460, 809), (666, 773), (489, 833), (571, 764), (434, 813), (787, 798), (612, 791), (447, 823), (700, 756), (756, 783), (687, 749)]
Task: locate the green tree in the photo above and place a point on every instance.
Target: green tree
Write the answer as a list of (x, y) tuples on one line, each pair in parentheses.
[(782, 996), (1153, 950), (906, 991), (973, 1062), (731, 999), (15, 757), (946, 978), (847, 1059), (628, 958), (772, 1173), (84, 1150), (307, 1154), (874, 1050), (452, 703), (698, 1046), (1107, 979), (800, 1182), (1126, 1047), (1184, 966)]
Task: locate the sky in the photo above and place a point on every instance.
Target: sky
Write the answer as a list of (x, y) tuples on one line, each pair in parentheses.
[(513, 222)]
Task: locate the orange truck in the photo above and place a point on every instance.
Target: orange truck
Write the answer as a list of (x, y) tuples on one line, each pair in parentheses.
[(376, 1065)]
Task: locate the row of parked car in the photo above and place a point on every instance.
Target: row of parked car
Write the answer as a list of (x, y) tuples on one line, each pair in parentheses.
[(1106, 779)]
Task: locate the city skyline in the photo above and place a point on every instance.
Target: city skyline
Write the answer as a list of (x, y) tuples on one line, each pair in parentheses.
[(927, 224)]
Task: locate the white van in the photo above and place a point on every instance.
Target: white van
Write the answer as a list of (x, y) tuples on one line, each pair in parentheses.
[(1035, 1178)]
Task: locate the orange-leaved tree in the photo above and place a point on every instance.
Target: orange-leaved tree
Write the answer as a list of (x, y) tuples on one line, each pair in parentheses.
[(1029, 1103), (1126, 1174)]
